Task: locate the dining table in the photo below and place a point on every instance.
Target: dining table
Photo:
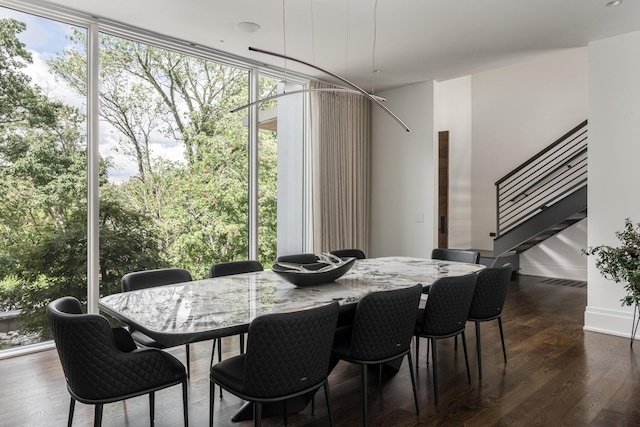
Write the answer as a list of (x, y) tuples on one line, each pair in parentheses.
[(213, 308)]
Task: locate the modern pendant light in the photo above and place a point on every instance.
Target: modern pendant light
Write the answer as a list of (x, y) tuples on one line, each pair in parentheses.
[(354, 88)]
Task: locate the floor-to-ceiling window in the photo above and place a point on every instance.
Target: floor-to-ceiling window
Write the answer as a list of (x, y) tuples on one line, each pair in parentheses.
[(174, 181), (267, 171), (43, 176)]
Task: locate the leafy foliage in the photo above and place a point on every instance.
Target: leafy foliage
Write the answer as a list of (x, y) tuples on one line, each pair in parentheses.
[(20, 102), (622, 263), (187, 212), (43, 217), (199, 206)]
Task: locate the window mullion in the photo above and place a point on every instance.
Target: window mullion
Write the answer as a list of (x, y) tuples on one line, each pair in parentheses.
[(93, 167), (253, 164)]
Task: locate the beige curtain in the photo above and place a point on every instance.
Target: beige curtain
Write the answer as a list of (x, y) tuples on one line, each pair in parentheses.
[(341, 181)]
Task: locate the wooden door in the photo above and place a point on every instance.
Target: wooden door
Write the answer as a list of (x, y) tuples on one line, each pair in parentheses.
[(443, 189)]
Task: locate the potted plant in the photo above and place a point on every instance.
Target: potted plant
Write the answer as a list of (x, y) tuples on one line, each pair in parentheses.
[(622, 265)]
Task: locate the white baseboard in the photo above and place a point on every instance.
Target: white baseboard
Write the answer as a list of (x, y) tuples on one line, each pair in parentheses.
[(612, 322)]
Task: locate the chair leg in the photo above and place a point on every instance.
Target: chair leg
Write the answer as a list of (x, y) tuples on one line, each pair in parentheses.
[(97, 420), (479, 350), (504, 349), (72, 407), (152, 407), (413, 383), (241, 343), (434, 358), (418, 351), (313, 403), (284, 407), (257, 414), (188, 360), (218, 342), (466, 357), (328, 399), (185, 403), (212, 390), (364, 395)]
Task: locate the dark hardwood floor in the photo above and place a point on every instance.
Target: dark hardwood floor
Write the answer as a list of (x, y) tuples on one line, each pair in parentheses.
[(557, 375)]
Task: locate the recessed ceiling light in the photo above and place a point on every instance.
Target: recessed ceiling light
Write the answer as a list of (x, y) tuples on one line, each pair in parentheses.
[(247, 27), (613, 3)]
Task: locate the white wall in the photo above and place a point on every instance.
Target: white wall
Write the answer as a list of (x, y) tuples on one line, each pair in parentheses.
[(560, 257), (402, 165), (452, 102), (614, 172), (517, 111), (497, 119)]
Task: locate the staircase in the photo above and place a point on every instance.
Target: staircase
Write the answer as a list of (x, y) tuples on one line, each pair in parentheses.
[(544, 195)]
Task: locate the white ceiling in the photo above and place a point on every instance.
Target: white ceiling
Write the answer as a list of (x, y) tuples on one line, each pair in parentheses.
[(416, 40)]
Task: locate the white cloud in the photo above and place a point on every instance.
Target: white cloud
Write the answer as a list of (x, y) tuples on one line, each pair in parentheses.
[(52, 87), (44, 38)]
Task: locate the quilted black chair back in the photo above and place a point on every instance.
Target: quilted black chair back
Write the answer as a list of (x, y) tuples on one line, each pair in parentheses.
[(151, 278), (349, 253), (288, 352), (490, 293), (459, 255), (448, 305), (384, 323), (298, 258), (93, 366), (234, 267)]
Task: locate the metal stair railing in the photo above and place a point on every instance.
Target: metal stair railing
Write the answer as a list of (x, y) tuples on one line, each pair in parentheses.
[(552, 174)]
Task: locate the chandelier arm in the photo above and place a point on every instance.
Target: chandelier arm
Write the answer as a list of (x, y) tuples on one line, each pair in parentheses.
[(293, 92), (342, 79)]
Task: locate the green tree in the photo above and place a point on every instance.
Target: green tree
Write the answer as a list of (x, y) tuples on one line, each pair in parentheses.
[(43, 217), (56, 266), (26, 117), (200, 204), (20, 102)]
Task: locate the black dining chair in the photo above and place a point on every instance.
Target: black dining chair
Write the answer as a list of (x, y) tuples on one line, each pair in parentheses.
[(488, 301), (149, 279), (458, 255), (288, 355), (298, 258), (445, 315), (234, 267), (346, 316), (381, 332), (230, 268), (103, 365), (349, 253)]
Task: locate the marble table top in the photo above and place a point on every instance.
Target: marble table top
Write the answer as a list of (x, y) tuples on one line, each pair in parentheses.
[(223, 306)]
